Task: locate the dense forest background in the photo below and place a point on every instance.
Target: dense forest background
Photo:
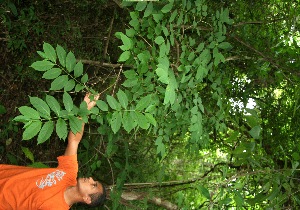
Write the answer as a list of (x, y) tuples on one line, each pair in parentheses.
[(199, 104)]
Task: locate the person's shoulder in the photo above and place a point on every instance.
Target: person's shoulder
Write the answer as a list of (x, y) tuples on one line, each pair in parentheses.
[(67, 158), (67, 161)]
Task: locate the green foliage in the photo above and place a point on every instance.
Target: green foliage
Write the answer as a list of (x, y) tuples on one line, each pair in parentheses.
[(39, 119), (177, 114), (173, 82), (23, 25)]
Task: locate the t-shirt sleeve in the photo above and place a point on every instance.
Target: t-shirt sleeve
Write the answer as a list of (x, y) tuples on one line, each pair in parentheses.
[(68, 162)]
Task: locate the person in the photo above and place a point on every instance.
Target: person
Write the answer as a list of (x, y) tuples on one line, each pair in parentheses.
[(26, 188)]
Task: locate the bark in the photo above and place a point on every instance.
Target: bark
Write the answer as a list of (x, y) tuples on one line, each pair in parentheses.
[(132, 196)]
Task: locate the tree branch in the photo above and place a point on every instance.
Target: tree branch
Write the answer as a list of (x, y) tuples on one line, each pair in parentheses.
[(118, 3), (262, 55), (109, 35), (107, 65), (131, 196)]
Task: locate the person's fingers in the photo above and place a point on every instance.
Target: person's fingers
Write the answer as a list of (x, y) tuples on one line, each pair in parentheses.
[(96, 97)]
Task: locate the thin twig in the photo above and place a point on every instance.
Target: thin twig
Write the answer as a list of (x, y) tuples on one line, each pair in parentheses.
[(109, 35), (107, 65), (118, 3), (121, 69), (262, 55), (4, 39)]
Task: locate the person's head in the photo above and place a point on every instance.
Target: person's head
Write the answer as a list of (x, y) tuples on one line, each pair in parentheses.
[(93, 192)]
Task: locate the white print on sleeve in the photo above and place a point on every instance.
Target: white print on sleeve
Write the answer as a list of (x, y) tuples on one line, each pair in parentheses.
[(51, 179)]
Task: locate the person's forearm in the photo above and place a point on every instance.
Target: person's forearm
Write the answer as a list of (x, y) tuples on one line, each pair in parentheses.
[(74, 139)]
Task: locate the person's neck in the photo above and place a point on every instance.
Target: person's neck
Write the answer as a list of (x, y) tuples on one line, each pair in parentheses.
[(71, 195)]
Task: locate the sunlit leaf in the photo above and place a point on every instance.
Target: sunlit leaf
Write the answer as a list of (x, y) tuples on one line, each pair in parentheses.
[(75, 124), (61, 129), (84, 78), (69, 85), (29, 112), (79, 87), (204, 191), (28, 153), (167, 8), (151, 119), (170, 95), (45, 132), (21, 118), (127, 43), (59, 83), (70, 61), (163, 75), (141, 120), (112, 102), (49, 52), (128, 122), (40, 106), (161, 148), (159, 40), (141, 5), (124, 56), (122, 97), (116, 121), (52, 73), (102, 105), (68, 102), (53, 104), (78, 69), (43, 65), (255, 132), (32, 130), (143, 103), (61, 54), (148, 10)]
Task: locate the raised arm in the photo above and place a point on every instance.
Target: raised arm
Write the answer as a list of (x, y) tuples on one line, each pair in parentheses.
[(74, 139)]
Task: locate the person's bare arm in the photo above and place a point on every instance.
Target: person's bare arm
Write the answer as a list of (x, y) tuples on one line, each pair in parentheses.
[(74, 139)]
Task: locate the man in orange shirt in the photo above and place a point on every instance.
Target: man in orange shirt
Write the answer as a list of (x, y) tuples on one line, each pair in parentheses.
[(25, 188)]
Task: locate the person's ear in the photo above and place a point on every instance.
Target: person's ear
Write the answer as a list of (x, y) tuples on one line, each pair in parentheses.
[(87, 199)]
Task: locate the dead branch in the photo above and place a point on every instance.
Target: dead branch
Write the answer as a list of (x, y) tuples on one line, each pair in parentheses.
[(118, 3), (131, 196), (109, 35), (106, 65)]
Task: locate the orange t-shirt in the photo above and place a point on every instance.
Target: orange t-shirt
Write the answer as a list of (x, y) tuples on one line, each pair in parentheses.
[(26, 188)]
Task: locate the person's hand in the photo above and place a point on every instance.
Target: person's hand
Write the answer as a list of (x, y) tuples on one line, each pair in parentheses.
[(90, 104)]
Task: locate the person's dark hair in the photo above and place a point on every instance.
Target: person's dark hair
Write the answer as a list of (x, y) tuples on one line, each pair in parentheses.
[(98, 199)]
